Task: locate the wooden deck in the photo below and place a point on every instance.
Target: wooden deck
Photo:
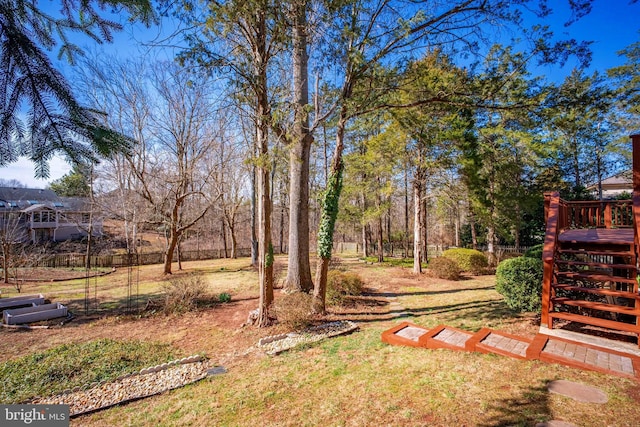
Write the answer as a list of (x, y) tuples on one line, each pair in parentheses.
[(543, 347), (618, 236)]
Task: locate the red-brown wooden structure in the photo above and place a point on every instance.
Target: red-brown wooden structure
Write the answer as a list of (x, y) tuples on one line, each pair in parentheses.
[(590, 257)]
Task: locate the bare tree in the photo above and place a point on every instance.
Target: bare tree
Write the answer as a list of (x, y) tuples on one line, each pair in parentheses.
[(13, 232), (121, 88), (183, 131)]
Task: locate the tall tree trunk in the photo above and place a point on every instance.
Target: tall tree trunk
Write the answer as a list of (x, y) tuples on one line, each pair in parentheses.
[(417, 214), (457, 226), (406, 212), (491, 239), (388, 225), (6, 247), (380, 230), (171, 247), (424, 225), (234, 241), (472, 224), (380, 240), (265, 247), (329, 215), (223, 235), (365, 246), (254, 210), (576, 162), (281, 231), (299, 269)]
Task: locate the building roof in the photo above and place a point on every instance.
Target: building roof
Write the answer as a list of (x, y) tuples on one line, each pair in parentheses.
[(22, 196), (37, 207), (29, 199), (620, 181)]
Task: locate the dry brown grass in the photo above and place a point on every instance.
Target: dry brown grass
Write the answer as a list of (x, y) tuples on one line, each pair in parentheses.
[(354, 380)]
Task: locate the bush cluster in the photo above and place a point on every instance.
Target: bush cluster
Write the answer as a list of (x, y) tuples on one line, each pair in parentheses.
[(534, 252), (469, 260), (519, 280), (183, 294), (341, 284), (293, 310), (444, 268)]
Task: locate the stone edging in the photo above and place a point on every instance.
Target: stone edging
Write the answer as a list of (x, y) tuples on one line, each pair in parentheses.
[(276, 344), (147, 382)]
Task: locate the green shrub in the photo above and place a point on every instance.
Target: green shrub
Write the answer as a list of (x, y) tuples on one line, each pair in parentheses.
[(224, 297), (341, 284), (467, 259), (534, 252), (519, 280), (293, 310), (444, 268)]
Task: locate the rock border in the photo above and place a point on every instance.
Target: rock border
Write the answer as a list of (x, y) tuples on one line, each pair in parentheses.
[(153, 380), (276, 344)]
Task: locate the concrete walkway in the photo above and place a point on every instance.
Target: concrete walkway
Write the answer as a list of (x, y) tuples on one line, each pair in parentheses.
[(552, 349)]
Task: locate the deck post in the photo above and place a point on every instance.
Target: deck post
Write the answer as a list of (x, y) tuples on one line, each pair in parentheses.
[(635, 144), (552, 211)]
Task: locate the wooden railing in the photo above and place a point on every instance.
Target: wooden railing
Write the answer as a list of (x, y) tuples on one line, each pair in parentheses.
[(596, 214)]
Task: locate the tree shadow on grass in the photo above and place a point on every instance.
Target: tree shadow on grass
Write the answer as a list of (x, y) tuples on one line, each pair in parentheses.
[(528, 408), (472, 310), (138, 305), (425, 293)]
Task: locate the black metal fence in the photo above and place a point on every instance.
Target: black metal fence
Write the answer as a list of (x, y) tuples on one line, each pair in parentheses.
[(123, 260)]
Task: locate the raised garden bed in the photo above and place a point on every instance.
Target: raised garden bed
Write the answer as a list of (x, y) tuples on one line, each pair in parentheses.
[(34, 314)]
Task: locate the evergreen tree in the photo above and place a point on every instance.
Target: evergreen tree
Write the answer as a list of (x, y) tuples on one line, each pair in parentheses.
[(73, 184), (39, 115)]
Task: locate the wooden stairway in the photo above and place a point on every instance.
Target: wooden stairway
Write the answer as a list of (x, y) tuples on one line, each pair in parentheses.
[(594, 279), (590, 257)]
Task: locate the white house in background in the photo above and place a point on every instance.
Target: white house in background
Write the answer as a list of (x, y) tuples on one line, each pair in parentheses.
[(614, 185), (40, 215)]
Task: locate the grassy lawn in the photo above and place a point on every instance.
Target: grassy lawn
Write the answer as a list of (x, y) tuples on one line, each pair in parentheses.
[(353, 380), (110, 292), (52, 371)]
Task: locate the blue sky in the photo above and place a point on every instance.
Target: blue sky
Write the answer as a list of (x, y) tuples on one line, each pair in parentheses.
[(612, 25)]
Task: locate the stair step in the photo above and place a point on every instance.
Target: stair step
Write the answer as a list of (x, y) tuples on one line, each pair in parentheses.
[(598, 236), (595, 321), (595, 276), (597, 306), (595, 264), (589, 252), (598, 291)]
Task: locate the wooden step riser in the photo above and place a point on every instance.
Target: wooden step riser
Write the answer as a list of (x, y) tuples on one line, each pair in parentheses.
[(592, 277), (631, 311), (607, 265), (597, 246), (597, 291), (603, 323), (615, 252)]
